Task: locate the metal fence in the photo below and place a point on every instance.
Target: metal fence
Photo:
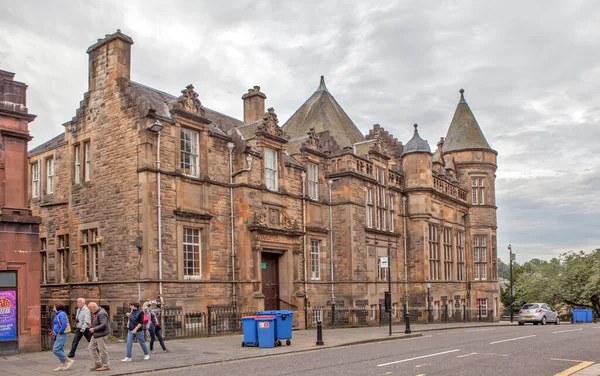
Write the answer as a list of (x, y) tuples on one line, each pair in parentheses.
[(228, 320), (333, 316)]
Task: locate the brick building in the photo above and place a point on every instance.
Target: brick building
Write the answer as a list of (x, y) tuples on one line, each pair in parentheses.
[(19, 237), (146, 193)]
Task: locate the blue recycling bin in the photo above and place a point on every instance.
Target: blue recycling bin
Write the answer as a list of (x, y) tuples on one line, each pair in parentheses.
[(283, 325), (582, 315), (249, 330), (265, 327), (588, 315)]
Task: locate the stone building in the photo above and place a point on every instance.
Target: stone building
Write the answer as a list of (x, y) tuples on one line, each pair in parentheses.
[(149, 194), (19, 237)]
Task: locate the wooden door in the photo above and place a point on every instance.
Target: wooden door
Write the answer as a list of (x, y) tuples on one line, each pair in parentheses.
[(270, 280)]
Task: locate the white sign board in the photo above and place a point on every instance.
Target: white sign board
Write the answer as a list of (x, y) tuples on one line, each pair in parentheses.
[(383, 262)]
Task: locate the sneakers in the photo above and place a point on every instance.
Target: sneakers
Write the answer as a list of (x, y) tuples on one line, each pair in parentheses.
[(166, 350), (60, 368), (69, 364), (103, 368), (152, 352), (147, 357), (97, 366), (126, 359)]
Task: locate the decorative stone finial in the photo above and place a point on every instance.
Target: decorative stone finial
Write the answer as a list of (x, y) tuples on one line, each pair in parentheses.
[(462, 96), (188, 101), (415, 125), (322, 86)]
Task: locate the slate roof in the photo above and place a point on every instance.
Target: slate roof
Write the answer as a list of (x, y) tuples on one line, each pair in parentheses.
[(416, 144), (159, 101), (464, 132), (51, 144), (322, 112)]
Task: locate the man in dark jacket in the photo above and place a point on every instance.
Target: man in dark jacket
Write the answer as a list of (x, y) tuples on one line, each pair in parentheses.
[(99, 332)]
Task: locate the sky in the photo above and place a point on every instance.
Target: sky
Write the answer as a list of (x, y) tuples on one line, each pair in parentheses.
[(530, 70)]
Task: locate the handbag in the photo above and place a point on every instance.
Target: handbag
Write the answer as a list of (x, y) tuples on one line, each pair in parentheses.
[(68, 328)]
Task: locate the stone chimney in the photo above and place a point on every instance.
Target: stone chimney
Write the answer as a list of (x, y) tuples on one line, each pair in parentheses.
[(110, 58), (14, 136), (12, 93), (254, 104)]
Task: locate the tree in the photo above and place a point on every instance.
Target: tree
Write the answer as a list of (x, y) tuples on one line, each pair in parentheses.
[(579, 281), (503, 269)]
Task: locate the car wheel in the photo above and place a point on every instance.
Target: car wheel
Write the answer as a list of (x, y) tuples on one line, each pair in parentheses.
[(543, 320), (521, 323), (557, 322)]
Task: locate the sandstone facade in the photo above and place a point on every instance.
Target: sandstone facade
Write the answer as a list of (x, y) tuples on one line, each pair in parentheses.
[(215, 211), (19, 229)]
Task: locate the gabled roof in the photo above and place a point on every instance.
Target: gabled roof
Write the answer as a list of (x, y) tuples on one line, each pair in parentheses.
[(322, 112), (159, 101), (416, 144), (464, 132), (51, 144)]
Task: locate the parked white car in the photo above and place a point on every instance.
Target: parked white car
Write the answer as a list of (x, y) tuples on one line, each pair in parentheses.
[(537, 313)]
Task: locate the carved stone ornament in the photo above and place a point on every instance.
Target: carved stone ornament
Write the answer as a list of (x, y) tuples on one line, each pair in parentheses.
[(378, 144), (273, 217), (188, 101), (260, 218), (286, 222), (313, 141), (270, 123)]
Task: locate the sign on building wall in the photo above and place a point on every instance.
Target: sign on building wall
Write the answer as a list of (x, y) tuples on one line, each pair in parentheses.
[(8, 315)]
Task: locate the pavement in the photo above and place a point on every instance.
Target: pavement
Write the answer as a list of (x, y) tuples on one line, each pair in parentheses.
[(206, 350)]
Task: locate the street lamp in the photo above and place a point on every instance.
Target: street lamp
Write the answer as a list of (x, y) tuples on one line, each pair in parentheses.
[(511, 282)]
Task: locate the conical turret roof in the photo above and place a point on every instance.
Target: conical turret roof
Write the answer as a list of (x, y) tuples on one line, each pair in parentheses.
[(323, 113), (464, 132), (416, 144)]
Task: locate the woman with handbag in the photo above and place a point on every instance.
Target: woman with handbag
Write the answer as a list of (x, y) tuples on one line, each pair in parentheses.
[(155, 330), (60, 330)]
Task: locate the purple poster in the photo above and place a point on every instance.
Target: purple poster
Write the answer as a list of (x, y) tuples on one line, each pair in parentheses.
[(8, 315)]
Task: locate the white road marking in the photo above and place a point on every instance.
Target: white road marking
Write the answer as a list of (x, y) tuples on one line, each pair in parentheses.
[(417, 357), (479, 330), (465, 355), (565, 331), (512, 339)]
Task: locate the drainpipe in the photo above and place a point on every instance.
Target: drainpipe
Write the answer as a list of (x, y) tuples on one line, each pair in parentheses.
[(304, 243), (230, 147), (405, 213), (331, 243), (159, 215)]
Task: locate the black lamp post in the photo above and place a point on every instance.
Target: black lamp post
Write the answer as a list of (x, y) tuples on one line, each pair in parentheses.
[(511, 282)]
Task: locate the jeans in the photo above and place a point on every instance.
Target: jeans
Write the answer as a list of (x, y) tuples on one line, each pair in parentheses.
[(59, 347), (76, 339), (156, 331), (98, 351), (140, 337)]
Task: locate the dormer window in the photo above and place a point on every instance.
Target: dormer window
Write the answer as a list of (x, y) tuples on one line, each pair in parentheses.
[(189, 152), (271, 169), (313, 181)]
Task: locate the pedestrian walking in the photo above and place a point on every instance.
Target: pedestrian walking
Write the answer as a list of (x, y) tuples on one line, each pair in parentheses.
[(83, 321), (155, 330), (135, 330), (60, 330), (99, 329)]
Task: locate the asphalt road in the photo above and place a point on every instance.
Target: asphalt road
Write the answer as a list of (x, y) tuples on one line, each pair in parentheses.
[(519, 350)]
